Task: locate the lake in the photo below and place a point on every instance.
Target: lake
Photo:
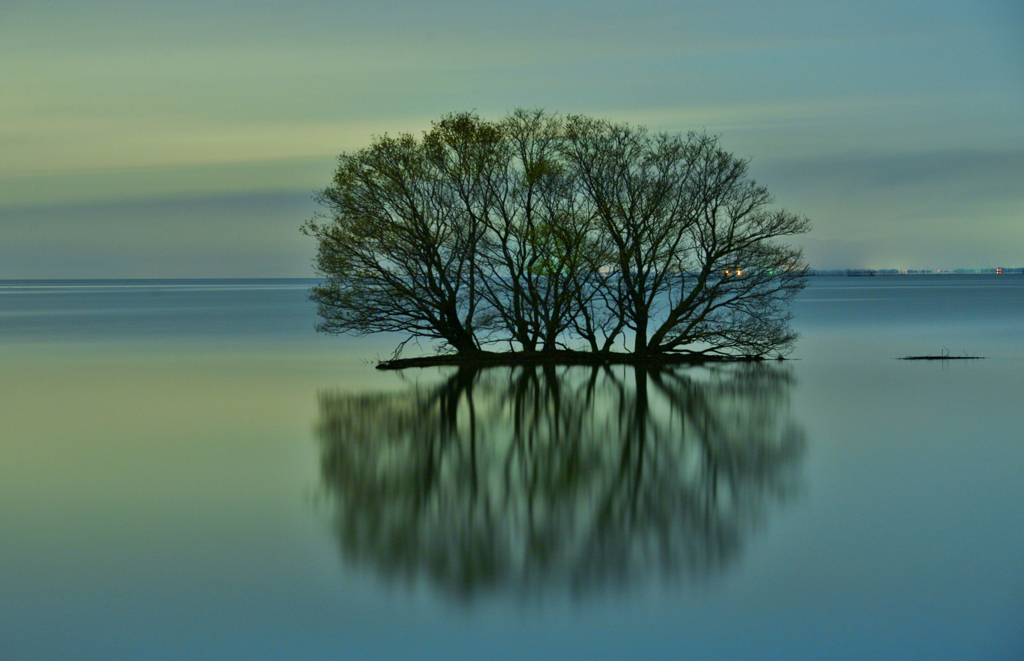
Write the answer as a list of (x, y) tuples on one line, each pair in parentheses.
[(190, 471)]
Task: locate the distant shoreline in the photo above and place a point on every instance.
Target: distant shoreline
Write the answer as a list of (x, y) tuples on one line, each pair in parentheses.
[(881, 272)]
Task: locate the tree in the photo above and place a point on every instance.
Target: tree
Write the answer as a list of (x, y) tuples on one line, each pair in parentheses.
[(542, 254), (543, 233), (398, 253), (694, 264), (634, 184)]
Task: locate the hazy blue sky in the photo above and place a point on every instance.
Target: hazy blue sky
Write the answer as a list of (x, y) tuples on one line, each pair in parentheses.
[(143, 139)]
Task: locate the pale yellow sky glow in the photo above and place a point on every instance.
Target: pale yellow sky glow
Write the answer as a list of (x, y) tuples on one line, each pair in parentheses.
[(120, 102)]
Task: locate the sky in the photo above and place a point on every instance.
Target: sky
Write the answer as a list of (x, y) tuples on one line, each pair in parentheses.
[(186, 139)]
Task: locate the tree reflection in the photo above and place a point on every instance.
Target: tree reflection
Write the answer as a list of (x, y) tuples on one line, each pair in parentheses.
[(533, 477)]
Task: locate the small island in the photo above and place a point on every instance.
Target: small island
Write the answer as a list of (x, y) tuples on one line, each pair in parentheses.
[(561, 357), (944, 356), (543, 239)]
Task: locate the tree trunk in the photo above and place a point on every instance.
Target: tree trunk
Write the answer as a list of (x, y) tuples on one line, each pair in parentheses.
[(465, 344), (640, 342), (461, 339)]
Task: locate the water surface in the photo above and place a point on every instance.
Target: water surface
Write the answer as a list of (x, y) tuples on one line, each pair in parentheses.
[(190, 471)]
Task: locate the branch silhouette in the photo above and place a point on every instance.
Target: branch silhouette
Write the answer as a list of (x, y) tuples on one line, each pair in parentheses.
[(533, 478)]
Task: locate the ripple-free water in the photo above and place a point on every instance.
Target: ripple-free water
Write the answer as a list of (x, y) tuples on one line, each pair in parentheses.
[(190, 471)]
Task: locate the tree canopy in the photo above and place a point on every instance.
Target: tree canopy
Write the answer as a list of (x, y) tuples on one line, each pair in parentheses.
[(541, 233)]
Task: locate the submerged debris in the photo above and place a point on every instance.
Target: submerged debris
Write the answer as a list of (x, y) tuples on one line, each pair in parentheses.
[(944, 356)]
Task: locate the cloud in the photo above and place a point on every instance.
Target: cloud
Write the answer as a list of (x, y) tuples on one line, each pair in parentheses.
[(930, 209), (90, 186), (235, 235), (986, 170)]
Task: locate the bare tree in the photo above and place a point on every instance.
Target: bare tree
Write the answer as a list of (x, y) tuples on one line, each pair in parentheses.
[(694, 265), (538, 232), (543, 244), (399, 248), (734, 290), (635, 184)]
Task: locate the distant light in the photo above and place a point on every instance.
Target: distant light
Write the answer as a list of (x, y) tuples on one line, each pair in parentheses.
[(739, 272)]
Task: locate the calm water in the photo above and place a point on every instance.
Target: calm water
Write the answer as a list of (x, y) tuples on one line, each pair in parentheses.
[(189, 471)]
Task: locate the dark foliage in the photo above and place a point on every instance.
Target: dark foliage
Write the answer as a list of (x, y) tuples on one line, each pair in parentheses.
[(543, 233)]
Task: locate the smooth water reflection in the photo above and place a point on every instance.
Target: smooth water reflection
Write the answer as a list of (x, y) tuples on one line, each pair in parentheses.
[(530, 479), (164, 448)]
